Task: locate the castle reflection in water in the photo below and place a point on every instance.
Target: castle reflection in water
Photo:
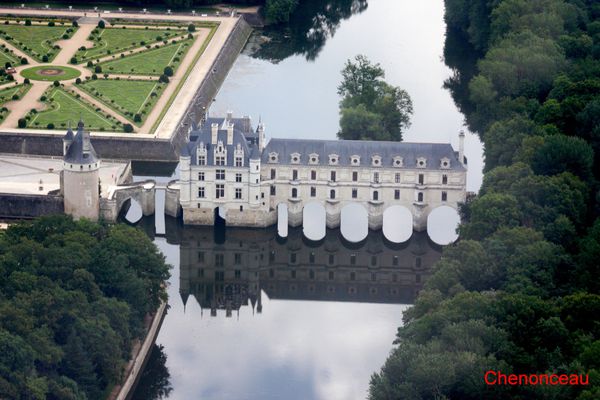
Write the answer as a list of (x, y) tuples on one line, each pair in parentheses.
[(229, 269)]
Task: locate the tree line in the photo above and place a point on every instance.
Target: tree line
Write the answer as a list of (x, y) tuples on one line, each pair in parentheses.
[(519, 291), (73, 297)]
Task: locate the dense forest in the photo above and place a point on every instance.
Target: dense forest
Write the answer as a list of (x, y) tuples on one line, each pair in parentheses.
[(519, 292), (73, 297)]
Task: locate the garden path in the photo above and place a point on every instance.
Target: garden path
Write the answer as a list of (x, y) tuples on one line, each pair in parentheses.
[(18, 109)]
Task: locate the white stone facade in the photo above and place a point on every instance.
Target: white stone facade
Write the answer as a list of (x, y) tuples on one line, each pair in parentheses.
[(249, 184)]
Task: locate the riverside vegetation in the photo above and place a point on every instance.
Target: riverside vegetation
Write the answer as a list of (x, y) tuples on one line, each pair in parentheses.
[(519, 292), (73, 297)]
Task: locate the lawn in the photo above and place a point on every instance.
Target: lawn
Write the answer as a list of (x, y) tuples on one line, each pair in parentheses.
[(35, 40), (37, 73), (115, 40), (7, 56), (151, 62), (127, 97), (6, 94), (63, 107)]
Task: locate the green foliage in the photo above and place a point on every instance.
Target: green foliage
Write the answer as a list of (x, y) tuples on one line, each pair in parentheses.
[(277, 11), (67, 316), (370, 108)]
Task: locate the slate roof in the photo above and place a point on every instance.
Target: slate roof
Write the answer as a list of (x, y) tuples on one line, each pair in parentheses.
[(75, 153), (409, 152), (204, 135)]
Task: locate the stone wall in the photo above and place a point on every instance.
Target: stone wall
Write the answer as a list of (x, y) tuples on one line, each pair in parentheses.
[(29, 206)]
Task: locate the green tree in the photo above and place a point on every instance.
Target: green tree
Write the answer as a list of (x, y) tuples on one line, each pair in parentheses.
[(561, 153)]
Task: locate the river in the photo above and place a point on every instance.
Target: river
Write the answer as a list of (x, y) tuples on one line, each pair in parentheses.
[(253, 316)]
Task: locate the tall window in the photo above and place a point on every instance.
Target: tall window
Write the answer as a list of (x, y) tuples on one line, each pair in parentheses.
[(220, 160), (272, 173), (238, 177), (444, 196), (200, 176), (376, 177), (397, 178), (237, 259), (220, 174), (219, 260), (352, 259), (238, 193), (294, 193), (420, 197), (332, 176), (354, 176), (375, 195), (421, 179), (396, 194), (201, 160), (238, 161), (311, 257), (293, 257), (273, 190), (313, 175), (313, 192), (332, 194), (444, 179), (295, 174), (354, 193), (201, 192), (220, 191)]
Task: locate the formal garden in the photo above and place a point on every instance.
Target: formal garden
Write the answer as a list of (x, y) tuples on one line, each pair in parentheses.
[(111, 75)]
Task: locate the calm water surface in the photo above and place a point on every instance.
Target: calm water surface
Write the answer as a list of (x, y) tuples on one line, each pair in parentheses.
[(256, 317)]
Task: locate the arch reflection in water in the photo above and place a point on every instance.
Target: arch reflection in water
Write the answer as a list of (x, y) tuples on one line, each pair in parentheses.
[(354, 224), (313, 221), (397, 224), (441, 225), (251, 263), (134, 211), (282, 220)]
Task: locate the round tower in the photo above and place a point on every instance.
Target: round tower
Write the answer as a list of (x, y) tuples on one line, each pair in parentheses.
[(81, 181)]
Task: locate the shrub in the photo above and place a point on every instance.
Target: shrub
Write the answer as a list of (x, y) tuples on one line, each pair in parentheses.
[(27, 22), (191, 28), (24, 61), (65, 36), (190, 36), (94, 76), (137, 118), (127, 128), (105, 76), (22, 123), (45, 58), (168, 71), (73, 60), (27, 81), (77, 81), (15, 96), (75, 24), (98, 69), (101, 24), (43, 98), (51, 23), (56, 83), (50, 126), (90, 64), (163, 78), (82, 48), (10, 78)]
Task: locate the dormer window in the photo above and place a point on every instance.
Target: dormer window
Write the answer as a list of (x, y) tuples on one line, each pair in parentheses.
[(445, 163), (313, 158), (355, 160), (273, 157), (333, 159), (376, 161), (421, 162), (295, 158), (398, 162)]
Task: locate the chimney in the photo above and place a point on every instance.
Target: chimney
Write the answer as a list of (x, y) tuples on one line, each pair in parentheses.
[(86, 142), (229, 115), (214, 133), (229, 134), (461, 147), (261, 136)]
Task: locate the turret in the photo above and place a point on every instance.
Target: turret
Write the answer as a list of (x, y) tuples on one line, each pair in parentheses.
[(214, 133), (254, 184), (229, 133), (461, 147), (260, 130), (67, 140)]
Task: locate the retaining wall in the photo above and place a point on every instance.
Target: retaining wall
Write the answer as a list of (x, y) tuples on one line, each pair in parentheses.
[(29, 206)]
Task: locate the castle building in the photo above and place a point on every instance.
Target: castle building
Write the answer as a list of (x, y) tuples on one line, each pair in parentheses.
[(227, 165), (80, 176)]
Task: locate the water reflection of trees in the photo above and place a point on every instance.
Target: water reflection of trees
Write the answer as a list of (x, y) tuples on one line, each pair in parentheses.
[(155, 381), (310, 26)]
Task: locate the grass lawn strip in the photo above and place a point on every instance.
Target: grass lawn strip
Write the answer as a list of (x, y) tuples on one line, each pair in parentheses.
[(126, 97), (6, 95), (67, 108), (6, 55), (213, 30), (150, 62), (33, 73), (33, 40), (117, 40)]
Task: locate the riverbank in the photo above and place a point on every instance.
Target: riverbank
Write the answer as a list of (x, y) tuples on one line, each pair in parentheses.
[(140, 353)]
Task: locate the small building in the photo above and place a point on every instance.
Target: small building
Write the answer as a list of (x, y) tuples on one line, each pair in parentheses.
[(226, 165)]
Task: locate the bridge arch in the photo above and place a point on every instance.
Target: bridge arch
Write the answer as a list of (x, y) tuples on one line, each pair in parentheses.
[(354, 222), (442, 222), (314, 218), (397, 224)]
